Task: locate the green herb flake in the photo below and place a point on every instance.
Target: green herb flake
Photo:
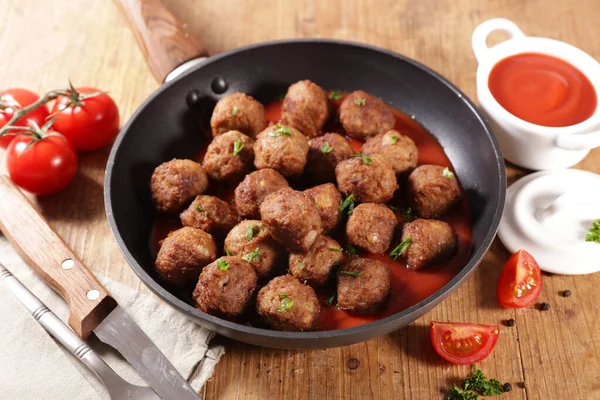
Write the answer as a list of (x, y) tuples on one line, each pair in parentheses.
[(594, 232), (353, 273), (457, 393), (232, 201), (347, 205), (365, 159), (202, 210), (393, 208), (446, 173), (351, 250), (281, 130), (335, 249), (401, 248), (394, 138), (227, 252), (237, 147), (235, 110), (330, 300), (223, 265), (251, 231), (253, 255), (300, 263), (326, 148), (283, 296), (407, 214), (286, 304), (333, 95), (477, 382), (360, 102)]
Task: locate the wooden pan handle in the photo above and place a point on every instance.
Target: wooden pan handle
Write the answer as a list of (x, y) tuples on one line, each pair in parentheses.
[(164, 40), (42, 248)]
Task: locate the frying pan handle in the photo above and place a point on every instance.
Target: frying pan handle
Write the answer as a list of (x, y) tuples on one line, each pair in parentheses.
[(42, 248), (163, 39)]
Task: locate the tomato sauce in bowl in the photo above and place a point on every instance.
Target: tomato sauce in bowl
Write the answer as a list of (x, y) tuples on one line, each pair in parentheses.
[(543, 90), (407, 287)]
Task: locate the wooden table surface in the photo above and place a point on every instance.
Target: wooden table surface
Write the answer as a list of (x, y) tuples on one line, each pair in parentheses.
[(553, 354)]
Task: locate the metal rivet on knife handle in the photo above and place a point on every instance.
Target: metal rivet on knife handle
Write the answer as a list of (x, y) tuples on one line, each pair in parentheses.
[(68, 264), (93, 294)]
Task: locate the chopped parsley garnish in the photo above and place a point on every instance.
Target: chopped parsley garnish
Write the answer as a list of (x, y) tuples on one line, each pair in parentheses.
[(594, 232), (351, 250), (253, 255), (457, 393), (394, 138), (283, 296), (330, 300), (446, 173), (360, 102), (235, 110), (365, 159), (286, 303), (281, 131), (251, 231), (475, 383), (393, 208), (232, 201), (353, 273), (300, 263), (407, 214), (336, 249), (202, 210), (326, 148), (237, 147), (401, 248), (347, 205), (334, 95), (222, 265), (227, 252)]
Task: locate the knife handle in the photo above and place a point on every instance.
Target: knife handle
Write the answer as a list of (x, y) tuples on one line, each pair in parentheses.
[(89, 302), (163, 38)]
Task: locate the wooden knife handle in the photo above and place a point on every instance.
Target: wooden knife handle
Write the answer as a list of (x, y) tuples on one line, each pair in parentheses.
[(45, 251), (164, 40)]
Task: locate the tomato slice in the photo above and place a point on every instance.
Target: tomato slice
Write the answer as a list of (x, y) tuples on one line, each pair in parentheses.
[(461, 343), (520, 282)]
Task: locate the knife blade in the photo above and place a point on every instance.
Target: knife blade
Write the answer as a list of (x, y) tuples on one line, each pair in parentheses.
[(90, 304)]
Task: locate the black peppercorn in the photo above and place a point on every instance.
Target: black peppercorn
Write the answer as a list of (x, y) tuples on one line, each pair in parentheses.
[(544, 306), (507, 387), (510, 322), (566, 293)]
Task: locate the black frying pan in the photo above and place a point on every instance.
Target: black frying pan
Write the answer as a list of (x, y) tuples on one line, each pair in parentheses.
[(167, 125)]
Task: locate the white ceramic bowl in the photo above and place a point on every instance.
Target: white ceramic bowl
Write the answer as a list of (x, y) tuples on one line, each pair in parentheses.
[(523, 143)]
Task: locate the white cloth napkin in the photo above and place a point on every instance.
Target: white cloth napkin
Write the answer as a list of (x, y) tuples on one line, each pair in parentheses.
[(33, 366)]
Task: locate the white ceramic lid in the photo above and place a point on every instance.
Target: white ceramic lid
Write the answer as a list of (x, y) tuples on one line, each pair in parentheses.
[(548, 214)]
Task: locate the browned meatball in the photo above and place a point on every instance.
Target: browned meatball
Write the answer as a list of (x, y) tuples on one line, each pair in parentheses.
[(251, 192), (210, 214), (229, 157), (292, 218), (327, 199), (288, 305), (314, 266), (363, 115), (305, 107), (371, 227), (400, 151), (176, 182), (225, 287), (282, 148), (324, 153), (363, 285), (183, 254), (432, 191), (431, 241), (248, 236), (238, 112), (370, 180)]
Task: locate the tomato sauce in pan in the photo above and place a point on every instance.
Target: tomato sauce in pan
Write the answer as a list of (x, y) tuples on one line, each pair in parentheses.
[(407, 287)]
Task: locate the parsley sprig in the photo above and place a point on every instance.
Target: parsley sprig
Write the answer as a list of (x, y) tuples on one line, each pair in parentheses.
[(235, 110), (223, 265), (365, 159), (330, 300), (351, 250), (253, 255), (394, 138), (286, 303), (594, 232), (477, 382), (334, 95), (360, 102), (446, 173), (326, 148), (347, 205), (401, 248), (251, 231), (353, 273), (202, 210), (281, 130), (237, 147)]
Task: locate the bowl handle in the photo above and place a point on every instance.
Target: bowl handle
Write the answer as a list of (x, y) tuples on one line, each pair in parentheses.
[(576, 142), (481, 33)]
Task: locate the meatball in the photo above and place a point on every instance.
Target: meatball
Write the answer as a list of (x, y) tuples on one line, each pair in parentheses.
[(305, 107), (176, 182), (238, 112), (292, 218), (400, 151), (370, 180), (430, 241), (363, 115), (183, 254), (432, 191), (314, 266), (327, 199), (324, 153), (225, 287), (282, 148), (210, 214), (288, 305), (251, 192), (229, 157), (371, 227), (248, 236), (362, 285)]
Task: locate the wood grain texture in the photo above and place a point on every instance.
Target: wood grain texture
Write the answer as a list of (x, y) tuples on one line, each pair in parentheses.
[(547, 355)]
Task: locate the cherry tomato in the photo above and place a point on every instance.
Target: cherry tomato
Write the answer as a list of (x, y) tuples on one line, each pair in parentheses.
[(89, 123), (463, 344), (520, 282), (20, 98), (44, 168)]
